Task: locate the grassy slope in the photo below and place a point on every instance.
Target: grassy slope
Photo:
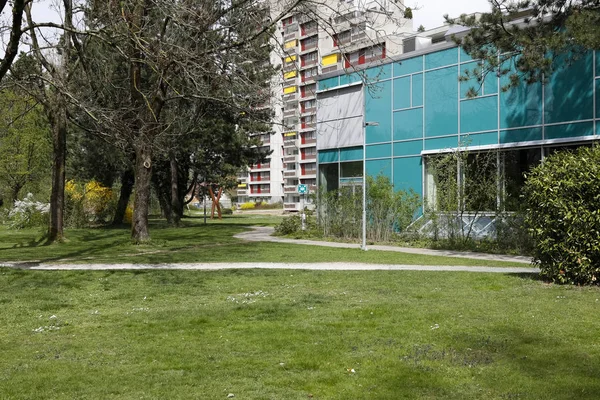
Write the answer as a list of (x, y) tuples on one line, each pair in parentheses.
[(288, 335), (194, 242)]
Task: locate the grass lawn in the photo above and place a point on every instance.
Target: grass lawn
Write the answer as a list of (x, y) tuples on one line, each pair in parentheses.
[(194, 242), (295, 335)]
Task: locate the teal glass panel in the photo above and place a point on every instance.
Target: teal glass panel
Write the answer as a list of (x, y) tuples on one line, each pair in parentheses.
[(408, 124), (597, 93), (379, 151), (408, 66), (417, 90), (521, 135), (328, 156), (441, 143), (402, 92), (521, 105), (378, 109), (329, 83), (479, 114), (597, 65), (479, 139), (408, 174), (379, 73), (471, 83), (351, 154), (569, 130), (441, 102), (348, 79), (410, 148), (569, 93), (379, 167), (490, 84), (441, 58), (464, 57)]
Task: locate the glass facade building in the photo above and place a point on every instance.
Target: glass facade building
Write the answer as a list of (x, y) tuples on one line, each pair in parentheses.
[(416, 107)]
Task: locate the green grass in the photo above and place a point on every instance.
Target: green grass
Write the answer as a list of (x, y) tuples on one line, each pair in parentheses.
[(295, 335), (194, 242)]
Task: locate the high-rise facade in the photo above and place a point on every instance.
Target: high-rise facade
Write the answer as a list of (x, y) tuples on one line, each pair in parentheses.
[(330, 36)]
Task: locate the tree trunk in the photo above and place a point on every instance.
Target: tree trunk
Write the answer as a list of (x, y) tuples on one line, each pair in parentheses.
[(176, 205), (127, 180), (15, 192), (59, 149), (141, 202)]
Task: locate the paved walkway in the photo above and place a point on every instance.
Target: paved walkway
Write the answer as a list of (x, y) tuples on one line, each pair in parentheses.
[(259, 234), (263, 234), (267, 265)]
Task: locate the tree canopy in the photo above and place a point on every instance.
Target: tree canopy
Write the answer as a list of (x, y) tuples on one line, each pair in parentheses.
[(522, 39)]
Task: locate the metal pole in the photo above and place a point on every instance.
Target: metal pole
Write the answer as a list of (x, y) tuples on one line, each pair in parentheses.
[(303, 214), (364, 190), (204, 201), (364, 184)]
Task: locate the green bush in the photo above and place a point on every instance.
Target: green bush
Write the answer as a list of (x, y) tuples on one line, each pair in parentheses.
[(563, 216), (289, 225)]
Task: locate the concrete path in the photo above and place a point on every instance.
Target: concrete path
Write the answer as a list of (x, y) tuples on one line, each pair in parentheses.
[(267, 265), (263, 234)]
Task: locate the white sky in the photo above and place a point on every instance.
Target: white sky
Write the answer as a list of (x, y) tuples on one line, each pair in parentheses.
[(430, 12)]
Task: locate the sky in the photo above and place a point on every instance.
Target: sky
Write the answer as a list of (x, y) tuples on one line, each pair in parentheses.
[(430, 13)]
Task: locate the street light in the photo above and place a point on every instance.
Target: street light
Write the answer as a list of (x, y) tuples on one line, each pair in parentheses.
[(364, 186)]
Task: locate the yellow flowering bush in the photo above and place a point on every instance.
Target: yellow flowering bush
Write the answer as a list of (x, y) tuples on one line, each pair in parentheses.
[(248, 206), (87, 202)]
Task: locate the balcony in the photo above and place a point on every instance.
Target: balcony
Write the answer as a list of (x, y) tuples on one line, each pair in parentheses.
[(308, 157), (293, 27), (290, 113), (290, 97), (291, 35), (308, 63), (312, 188), (290, 158), (290, 189), (262, 192), (308, 48), (308, 32), (259, 167), (308, 142), (290, 174), (290, 143), (242, 192), (308, 126), (309, 172), (331, 68), (310, 110), (291, 206)]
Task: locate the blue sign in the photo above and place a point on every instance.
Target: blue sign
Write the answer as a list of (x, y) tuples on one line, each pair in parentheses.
[(302, 189)]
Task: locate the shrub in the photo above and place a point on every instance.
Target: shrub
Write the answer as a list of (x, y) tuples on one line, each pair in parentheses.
[(563, 216), (28, 213), (87, 203), (388, 211), (248, 206), (289, 225)]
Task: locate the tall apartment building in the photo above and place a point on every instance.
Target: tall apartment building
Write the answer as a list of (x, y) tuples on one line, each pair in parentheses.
[(335, 35)]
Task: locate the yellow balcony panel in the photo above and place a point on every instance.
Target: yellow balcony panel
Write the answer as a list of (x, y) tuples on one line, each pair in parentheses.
[(290, 134), (329, 60), (290, 44), (289, 75), (242, 185), (289, 90), (290, 59)]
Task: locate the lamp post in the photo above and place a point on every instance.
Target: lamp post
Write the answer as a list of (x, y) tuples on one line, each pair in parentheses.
[(364, 186)]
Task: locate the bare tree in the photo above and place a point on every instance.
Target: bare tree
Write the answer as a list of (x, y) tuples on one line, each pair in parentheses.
[(14, 32)]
